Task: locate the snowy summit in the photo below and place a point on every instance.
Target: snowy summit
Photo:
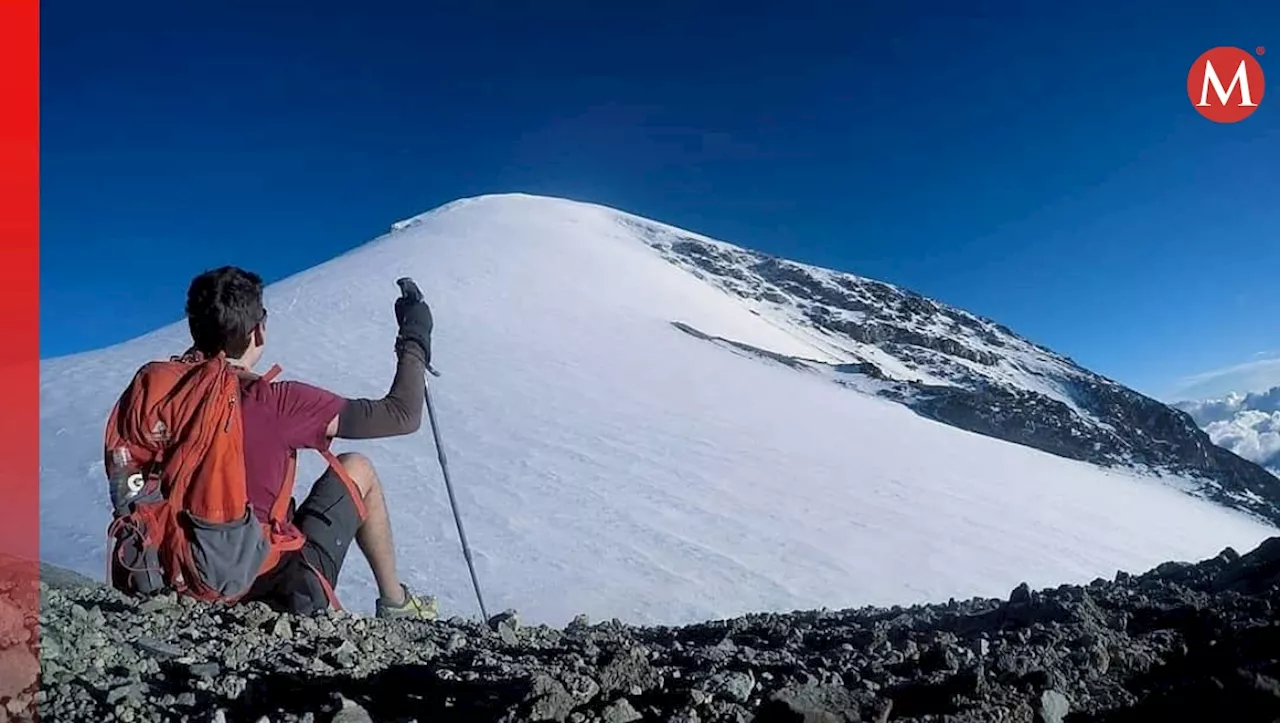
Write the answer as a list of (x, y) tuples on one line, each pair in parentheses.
[(648, 424)]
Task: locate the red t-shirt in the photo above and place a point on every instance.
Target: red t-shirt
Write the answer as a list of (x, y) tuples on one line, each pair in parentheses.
[(279, 418)]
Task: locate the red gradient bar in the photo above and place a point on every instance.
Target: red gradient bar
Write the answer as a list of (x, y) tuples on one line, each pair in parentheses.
[(20, 356)]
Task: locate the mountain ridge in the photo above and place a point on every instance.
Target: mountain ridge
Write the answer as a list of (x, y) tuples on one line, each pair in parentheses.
[(1083, 409)]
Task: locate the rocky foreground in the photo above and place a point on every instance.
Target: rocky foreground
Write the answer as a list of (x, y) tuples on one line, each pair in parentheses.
[(1182, 642)]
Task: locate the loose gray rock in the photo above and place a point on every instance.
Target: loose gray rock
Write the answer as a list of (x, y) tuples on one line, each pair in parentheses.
[(620, 711), (283, 628), (159, 648), (736, 685), (351, 712), (1053, 707), (551, 701), (1185, 641)]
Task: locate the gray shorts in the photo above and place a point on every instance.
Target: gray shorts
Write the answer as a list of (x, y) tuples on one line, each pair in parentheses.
[(329, 519)]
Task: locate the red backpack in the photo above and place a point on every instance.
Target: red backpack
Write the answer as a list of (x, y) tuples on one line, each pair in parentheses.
[(189, 526)]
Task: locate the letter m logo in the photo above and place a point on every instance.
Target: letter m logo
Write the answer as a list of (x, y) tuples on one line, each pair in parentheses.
[(1241, 78), (1230, 102)]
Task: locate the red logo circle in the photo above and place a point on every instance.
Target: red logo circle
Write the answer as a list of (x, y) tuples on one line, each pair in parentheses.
[(1225, 84)]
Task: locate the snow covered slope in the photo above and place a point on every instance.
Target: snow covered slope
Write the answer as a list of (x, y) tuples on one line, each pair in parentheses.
[(958, 368), (613, 457), (1247, 424)]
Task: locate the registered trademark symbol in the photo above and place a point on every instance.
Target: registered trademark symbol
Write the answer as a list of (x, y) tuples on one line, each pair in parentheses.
[(1261, 50)]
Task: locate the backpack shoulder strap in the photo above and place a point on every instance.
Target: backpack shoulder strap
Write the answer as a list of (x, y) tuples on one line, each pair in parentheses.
[(271, 374), (248, 378), (353, 490), (278, 512)]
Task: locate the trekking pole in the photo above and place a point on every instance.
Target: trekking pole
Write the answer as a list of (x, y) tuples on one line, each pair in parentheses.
[(410, 290)]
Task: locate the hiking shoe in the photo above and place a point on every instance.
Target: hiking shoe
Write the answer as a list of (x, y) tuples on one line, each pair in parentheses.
[(414, 607)]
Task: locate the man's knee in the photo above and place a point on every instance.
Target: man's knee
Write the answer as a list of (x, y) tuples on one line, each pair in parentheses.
[(361, 470)]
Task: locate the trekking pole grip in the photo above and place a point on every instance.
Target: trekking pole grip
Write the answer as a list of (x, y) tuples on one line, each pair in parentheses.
[(409, 290)]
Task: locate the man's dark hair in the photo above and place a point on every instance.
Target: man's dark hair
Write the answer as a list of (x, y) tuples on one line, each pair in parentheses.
[(223, 306)]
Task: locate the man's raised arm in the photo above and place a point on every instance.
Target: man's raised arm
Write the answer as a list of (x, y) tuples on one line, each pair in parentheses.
[(400, 411)]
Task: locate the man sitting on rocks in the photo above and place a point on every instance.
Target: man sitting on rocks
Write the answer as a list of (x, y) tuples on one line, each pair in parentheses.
[(225, 314)]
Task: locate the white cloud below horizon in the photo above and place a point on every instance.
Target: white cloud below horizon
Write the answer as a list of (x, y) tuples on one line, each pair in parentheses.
[(1248, 425)]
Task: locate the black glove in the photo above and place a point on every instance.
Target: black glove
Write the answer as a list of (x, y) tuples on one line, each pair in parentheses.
[(414, 317)]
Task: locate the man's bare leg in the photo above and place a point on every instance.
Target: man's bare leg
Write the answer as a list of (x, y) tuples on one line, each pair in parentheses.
[(374, 536)]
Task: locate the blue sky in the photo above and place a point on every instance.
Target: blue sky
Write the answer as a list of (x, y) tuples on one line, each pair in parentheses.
[(1039, 165)]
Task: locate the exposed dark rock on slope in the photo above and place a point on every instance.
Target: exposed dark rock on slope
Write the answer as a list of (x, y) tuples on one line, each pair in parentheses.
[(963, 370), (1193, 642)]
